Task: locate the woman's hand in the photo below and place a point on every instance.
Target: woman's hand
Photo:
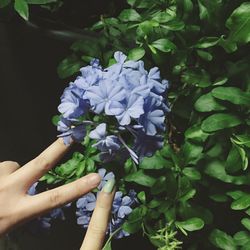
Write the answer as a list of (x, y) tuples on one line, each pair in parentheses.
[(99, 221), (17, 207)]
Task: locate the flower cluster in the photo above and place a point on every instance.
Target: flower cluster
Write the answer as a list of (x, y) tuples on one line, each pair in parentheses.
[(124, 91), (121, 207)]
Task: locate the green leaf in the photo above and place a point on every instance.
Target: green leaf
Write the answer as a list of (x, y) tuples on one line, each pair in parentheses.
[(4, 3), (68, 66), (22, 8), (222, 240), (189, 210), (206, 42), (220, 81), (89, 47), (241, 238), (187, 196), (135, 219), (80, 169), (233, 162), (55, 119), (192, 224), (141, 178), (246, 246), (107, 246), (236, 194), (90, 165), (129, 15), (190, 153), (204, 55), (142, 197), (243, 140), (218, 197), (232, 94), (195, 133), (220, 121), (197, 77), (140, 3), (215, 151), (187, 6), (244, 157), (207, 103), (246, 223), (164, 16), (163, 45), (174, 25), (239, 24), (155, 162), (192, 173), (49, 178), (242, 203), (216, 169), (203, 10), (159, 186), (136, 54)]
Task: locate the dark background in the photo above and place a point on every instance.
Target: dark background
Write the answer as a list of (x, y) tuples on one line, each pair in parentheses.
[(30, 92)]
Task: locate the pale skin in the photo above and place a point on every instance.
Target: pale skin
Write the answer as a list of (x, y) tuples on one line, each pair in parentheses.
[(17, 207)]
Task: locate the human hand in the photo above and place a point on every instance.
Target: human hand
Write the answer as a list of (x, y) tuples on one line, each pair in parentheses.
[(99, 221), (17, 207)]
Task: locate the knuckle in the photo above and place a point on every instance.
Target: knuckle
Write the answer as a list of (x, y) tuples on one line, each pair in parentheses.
[(5, 186), (42, 162), (96, 230), (78, 187), (55, 198)]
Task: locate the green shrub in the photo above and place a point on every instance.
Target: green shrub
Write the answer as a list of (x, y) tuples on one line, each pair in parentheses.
[(202, 173)]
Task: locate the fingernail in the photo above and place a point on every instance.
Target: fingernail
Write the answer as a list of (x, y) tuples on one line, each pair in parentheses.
[(109, 186), (94, 179)]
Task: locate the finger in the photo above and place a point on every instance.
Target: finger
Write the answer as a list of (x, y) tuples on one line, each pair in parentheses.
[(44, 202), (8, 167), (99, 221), (36, 168)]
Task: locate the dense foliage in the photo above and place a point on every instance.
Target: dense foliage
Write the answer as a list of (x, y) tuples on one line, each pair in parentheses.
[(202, 172), (200, 180)]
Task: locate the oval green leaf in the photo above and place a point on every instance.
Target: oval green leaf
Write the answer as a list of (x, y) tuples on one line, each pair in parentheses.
[(220, 121), (207, 103), (192, 224)]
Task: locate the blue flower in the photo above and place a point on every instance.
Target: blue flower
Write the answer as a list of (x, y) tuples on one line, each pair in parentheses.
[(104, 142), (121, 208), (104, 177), (132, 108), (72, 106), (87, 202), (101, 96), (146, 145), (32, 189), (71, 131), (91, 75), (154, 81), (125, 90), (121, 205), (153, 117), (114, 70)]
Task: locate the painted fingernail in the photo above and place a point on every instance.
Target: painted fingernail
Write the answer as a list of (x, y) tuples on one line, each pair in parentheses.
[(109, 186), (94, 179)]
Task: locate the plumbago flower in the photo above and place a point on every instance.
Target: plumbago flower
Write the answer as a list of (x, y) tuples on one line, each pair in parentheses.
[(121, 208), (129, 102)]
